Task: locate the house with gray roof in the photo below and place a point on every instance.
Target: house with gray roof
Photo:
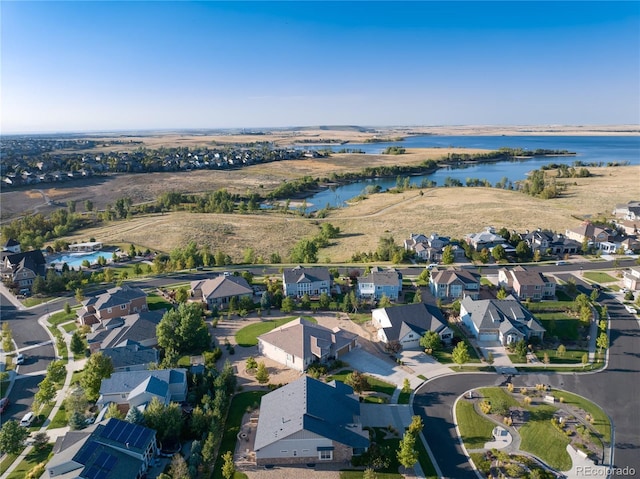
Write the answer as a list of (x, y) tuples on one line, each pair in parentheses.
[(380, 282), (22, 268), (131, 357), (526, 284), (113, 449), (451, 284), (217, 292), (116, 302), (138, 388), (301, 280), (299, 343), (503, 320), (408, 323), (485, 239), (309, 421), (139, 328)]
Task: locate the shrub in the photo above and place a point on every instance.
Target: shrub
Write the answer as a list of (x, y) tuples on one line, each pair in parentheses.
[(485, 407), (510, 387)]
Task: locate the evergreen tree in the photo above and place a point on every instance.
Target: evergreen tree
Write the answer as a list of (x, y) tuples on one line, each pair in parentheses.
[(262, 374), (407, 454), (78, 346), (228, 467)]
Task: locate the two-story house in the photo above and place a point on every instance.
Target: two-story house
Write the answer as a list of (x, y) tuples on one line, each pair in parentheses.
[(451, 284), (380, 283), (298, 281), (116, 302), (218, 292), (631, 278), (527, 285), (407, 323), (485, 239)]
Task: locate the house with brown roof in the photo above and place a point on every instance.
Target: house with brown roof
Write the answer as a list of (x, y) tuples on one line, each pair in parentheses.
[(450, 284), (217, 292), (115, 303), (591, 233), (299, 343), (527, 285), (631, 278)]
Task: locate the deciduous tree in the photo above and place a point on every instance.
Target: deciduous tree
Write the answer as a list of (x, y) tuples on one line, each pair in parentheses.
[(460, 354), (12, 437), (98, 367), (431, 341)]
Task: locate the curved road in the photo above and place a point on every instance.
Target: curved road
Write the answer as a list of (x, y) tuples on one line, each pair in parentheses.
[(616, 389)]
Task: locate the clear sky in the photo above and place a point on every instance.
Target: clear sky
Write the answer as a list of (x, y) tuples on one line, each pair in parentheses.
[(84, 65)]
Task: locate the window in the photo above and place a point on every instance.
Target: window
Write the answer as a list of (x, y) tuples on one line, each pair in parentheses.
[(109, 310), (325, 455), (123, 306)]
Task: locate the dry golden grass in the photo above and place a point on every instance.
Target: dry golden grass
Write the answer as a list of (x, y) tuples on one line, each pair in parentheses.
[(448, 211)]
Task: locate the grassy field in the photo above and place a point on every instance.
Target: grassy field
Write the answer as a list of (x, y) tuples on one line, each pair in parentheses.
[(474, 429), (539, 437), (248, 336), (454, 211), (571, 356), (599, 277), (600, 420), (496, 395)]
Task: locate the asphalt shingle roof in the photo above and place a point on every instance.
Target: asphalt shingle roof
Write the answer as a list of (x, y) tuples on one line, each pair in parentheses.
[(301, 274), (419, 318)]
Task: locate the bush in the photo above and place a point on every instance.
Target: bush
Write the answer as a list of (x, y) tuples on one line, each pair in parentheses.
[(485, 407)]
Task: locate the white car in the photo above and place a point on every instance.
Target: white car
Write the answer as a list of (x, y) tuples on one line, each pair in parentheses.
[(631, 309), (19, 358)]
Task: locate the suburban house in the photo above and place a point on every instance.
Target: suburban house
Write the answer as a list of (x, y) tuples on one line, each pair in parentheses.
[(485, 239), (527, 284), (299, 281), (631, 278), (116, 302), (430, 248), (299, 343), (380, 282), (546, 241), (131, 357), (408, 323), (114, 449), (503, 320), (11, 246), (309, 421), (450, 284), (139, 328), (629, 211), (138, 388), (217, 292), (21, 268), (591, 233)]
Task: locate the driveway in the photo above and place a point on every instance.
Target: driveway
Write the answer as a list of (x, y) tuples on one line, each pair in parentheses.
[(384, 369)]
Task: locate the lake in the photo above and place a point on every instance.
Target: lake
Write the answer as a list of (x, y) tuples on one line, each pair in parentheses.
[(588, 149)]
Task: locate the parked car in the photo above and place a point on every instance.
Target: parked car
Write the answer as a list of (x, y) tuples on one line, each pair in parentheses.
[(4, 403), (19, 358), (631, 309), (27, 419)]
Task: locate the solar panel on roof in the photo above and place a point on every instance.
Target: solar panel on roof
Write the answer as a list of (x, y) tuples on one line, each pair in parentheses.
[(93, 472), (111, 462), (138, 437), (83, 455)]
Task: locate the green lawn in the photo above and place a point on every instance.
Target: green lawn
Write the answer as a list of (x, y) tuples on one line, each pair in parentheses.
[(375, 384), (60, 419), (155, 302), (539, 437), (248, 336), (32, 459), (30, 302), (360, 318), (444, 355), (404, 398), (474, 429), (599, 277), (360, 474), (561, 325), (571, 356), (494, 395), (6, 462), (425, 461), (70, 327), (61, 317), (239, 405), (601, 422)]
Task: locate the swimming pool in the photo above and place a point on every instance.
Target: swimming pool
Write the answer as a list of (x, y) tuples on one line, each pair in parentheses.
[(75, 260)]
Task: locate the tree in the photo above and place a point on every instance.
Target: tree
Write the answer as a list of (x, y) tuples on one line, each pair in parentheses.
[(406, 386), (12, 437), (88, 205), (76, 421), (79, 295), (417, 298), (78, 346), (561, 351), (114, 412), (40, 440), (166, 420), (384, 302), (369, 473), (490, 358), (523, 251), (262, 374), (57, 371), (228, 467), (45, 395), (305, 302), (448, 256), (182, 294), (393, 347), (501, 294), (416, 425), (39, 285), (67, 308), (183, 330), (179, 468), (209, 451), (252, 363), (265, 300), (324, 301), (499, 253), (7, 338), (460, 354), (134, 416), (357, 381), (431, 341), (287, 305), (546, 360), (602, 341), (407, 454), (602, 325), (98, 367), (521, 349)]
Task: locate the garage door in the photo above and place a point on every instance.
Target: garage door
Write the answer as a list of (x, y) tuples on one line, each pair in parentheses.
[(488, 337)]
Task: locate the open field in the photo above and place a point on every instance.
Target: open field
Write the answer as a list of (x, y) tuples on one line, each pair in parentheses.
[(451, 211), (146, 187)]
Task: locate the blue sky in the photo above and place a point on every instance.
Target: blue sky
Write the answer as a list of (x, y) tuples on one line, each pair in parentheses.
[(83, 66)]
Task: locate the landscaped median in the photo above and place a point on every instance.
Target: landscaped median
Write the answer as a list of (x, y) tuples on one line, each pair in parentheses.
[(541, 421)]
